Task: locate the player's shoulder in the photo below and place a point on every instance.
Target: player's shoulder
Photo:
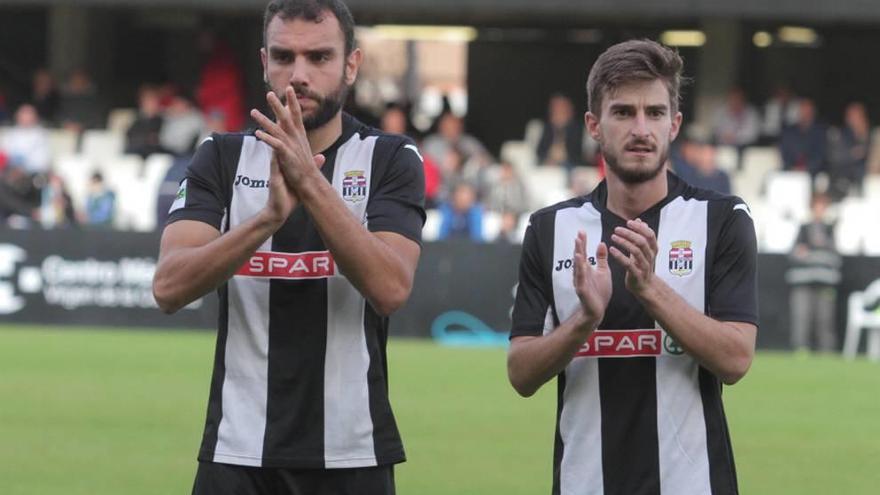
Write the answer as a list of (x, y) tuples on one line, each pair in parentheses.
[(223, 139), (548, 213), (724, 204), (355, 127)]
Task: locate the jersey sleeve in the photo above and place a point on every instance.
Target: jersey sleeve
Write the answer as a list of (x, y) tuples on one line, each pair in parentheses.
[(733, 283), (398, 203), (202, 194), (532, 298)]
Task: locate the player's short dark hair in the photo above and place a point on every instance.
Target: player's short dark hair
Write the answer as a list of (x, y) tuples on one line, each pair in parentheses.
[(312, 11), (634, 61)]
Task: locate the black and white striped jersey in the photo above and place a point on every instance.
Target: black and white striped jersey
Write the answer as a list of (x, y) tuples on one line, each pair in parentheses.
[(636, 415), (300, 373)]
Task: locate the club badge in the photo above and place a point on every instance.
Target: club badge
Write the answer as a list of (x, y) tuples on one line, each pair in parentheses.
[(354, 186), (681, 259)]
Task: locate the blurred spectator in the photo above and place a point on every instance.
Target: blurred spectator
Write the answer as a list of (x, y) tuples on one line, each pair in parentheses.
[(395, 121), (25, 148), (780, 111), (182, 125), (506, 191), (433, 181), (454, 169), (220, 92), (813, 276), (462, 216), (849, 151), (584, 180), (81, 106), (56, 209), (562, 139), (696, 164), (737, 123), (509, 231), (804, 145), (45, 96), (100, 203), (142, 138), (450, 135), (26, 144)]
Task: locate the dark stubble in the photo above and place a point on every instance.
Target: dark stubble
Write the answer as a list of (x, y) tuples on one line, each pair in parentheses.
[(634, 176), (328, 106)]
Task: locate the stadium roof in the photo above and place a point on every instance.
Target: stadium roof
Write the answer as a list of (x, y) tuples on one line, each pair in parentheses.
[(547, 11)]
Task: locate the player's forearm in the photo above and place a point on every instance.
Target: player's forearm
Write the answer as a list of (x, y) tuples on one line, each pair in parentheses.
[(721, 347), (533, 361), (371, 265), (185, 274)]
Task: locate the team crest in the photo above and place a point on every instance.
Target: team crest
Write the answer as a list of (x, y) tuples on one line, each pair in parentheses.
[(354, 186), (681, 258)]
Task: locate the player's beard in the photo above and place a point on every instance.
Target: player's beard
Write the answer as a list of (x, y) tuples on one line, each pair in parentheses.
[(634, 175), (327, 106)]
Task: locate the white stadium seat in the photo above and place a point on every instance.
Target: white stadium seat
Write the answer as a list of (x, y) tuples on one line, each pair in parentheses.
[(788, 192), (520, 155), (431, 230), (120, 119), (102, 146)]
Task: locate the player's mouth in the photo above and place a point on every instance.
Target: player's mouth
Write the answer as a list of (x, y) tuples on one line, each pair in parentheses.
[(639, 149)]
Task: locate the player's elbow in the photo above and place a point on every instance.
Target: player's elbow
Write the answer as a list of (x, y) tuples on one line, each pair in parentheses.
[(523, 389), (736, 369), (519, 382), (164, 297), (391, 299)]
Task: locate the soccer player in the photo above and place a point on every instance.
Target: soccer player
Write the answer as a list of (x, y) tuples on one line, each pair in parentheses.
[(310, 231), (641, 298)]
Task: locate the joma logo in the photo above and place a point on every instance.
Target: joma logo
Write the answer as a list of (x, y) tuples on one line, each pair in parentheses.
[(246, 181)]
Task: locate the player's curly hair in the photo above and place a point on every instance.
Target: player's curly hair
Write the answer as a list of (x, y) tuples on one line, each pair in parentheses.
[(312, 11), (634, 61)]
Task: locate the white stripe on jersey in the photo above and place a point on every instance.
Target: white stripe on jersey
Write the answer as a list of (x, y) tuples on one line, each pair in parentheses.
[(245, 385), (580, 423), (681, 424), (348, 425)]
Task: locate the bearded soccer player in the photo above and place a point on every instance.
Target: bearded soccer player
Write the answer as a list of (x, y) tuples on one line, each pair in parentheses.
[(640, 297), (310, 231)]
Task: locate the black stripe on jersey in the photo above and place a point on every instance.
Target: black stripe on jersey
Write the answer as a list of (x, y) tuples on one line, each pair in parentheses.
[(297, 345), (559, 447), (722, 470), (630, 456), (215, 397), (386, 446)]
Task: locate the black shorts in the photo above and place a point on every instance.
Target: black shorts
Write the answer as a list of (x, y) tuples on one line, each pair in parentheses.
[(227, 479)]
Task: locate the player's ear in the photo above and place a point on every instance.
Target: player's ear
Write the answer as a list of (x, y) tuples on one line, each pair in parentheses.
[(264, 59), (592, 123), (676, 126), (352, 65)]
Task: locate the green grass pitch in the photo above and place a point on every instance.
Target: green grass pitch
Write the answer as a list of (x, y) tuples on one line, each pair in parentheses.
[(93, 412)]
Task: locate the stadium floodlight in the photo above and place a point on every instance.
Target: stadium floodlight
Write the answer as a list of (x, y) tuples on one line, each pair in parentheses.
[(797, 35), (683, 38), (762, 39)]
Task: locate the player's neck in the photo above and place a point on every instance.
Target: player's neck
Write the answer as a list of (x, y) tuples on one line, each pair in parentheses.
[(321, 138), (628, 201)]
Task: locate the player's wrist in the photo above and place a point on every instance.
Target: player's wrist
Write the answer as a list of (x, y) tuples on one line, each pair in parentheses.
[(270, 218), (585, 324)]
